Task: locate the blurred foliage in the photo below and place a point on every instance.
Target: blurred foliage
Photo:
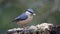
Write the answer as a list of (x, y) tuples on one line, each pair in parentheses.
[(46, 10)]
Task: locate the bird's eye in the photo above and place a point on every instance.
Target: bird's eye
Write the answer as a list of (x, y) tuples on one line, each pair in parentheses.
[(30, 11)]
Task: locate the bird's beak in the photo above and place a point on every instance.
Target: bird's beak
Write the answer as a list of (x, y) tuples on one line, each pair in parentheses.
[(34, 14)]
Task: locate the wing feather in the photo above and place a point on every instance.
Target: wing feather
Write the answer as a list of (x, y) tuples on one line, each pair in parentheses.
[(21, 17)]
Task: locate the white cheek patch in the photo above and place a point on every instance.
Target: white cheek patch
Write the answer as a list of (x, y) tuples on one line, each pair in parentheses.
[(28, 12)]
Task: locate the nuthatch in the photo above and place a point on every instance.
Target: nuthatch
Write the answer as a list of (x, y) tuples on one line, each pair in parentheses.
[(25, 17)]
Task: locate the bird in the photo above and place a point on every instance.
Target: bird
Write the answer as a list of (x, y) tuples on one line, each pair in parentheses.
[(25, 17)]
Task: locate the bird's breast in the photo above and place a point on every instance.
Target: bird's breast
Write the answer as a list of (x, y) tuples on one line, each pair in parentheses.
[(23, 22)]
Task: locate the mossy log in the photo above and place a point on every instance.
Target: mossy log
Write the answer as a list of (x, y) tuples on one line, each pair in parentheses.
[(44, 28)]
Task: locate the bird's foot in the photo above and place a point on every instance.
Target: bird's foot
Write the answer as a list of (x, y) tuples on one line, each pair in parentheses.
[(26, 28)]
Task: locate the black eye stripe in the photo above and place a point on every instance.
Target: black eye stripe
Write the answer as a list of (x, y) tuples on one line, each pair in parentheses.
[(29, 11)]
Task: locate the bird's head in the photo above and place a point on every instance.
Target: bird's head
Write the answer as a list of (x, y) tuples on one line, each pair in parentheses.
[(30, 12)]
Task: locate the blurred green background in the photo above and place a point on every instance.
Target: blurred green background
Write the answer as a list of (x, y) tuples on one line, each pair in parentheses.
[(46, 10)]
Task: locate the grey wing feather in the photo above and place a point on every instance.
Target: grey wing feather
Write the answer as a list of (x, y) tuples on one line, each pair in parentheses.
[(21, 17)]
